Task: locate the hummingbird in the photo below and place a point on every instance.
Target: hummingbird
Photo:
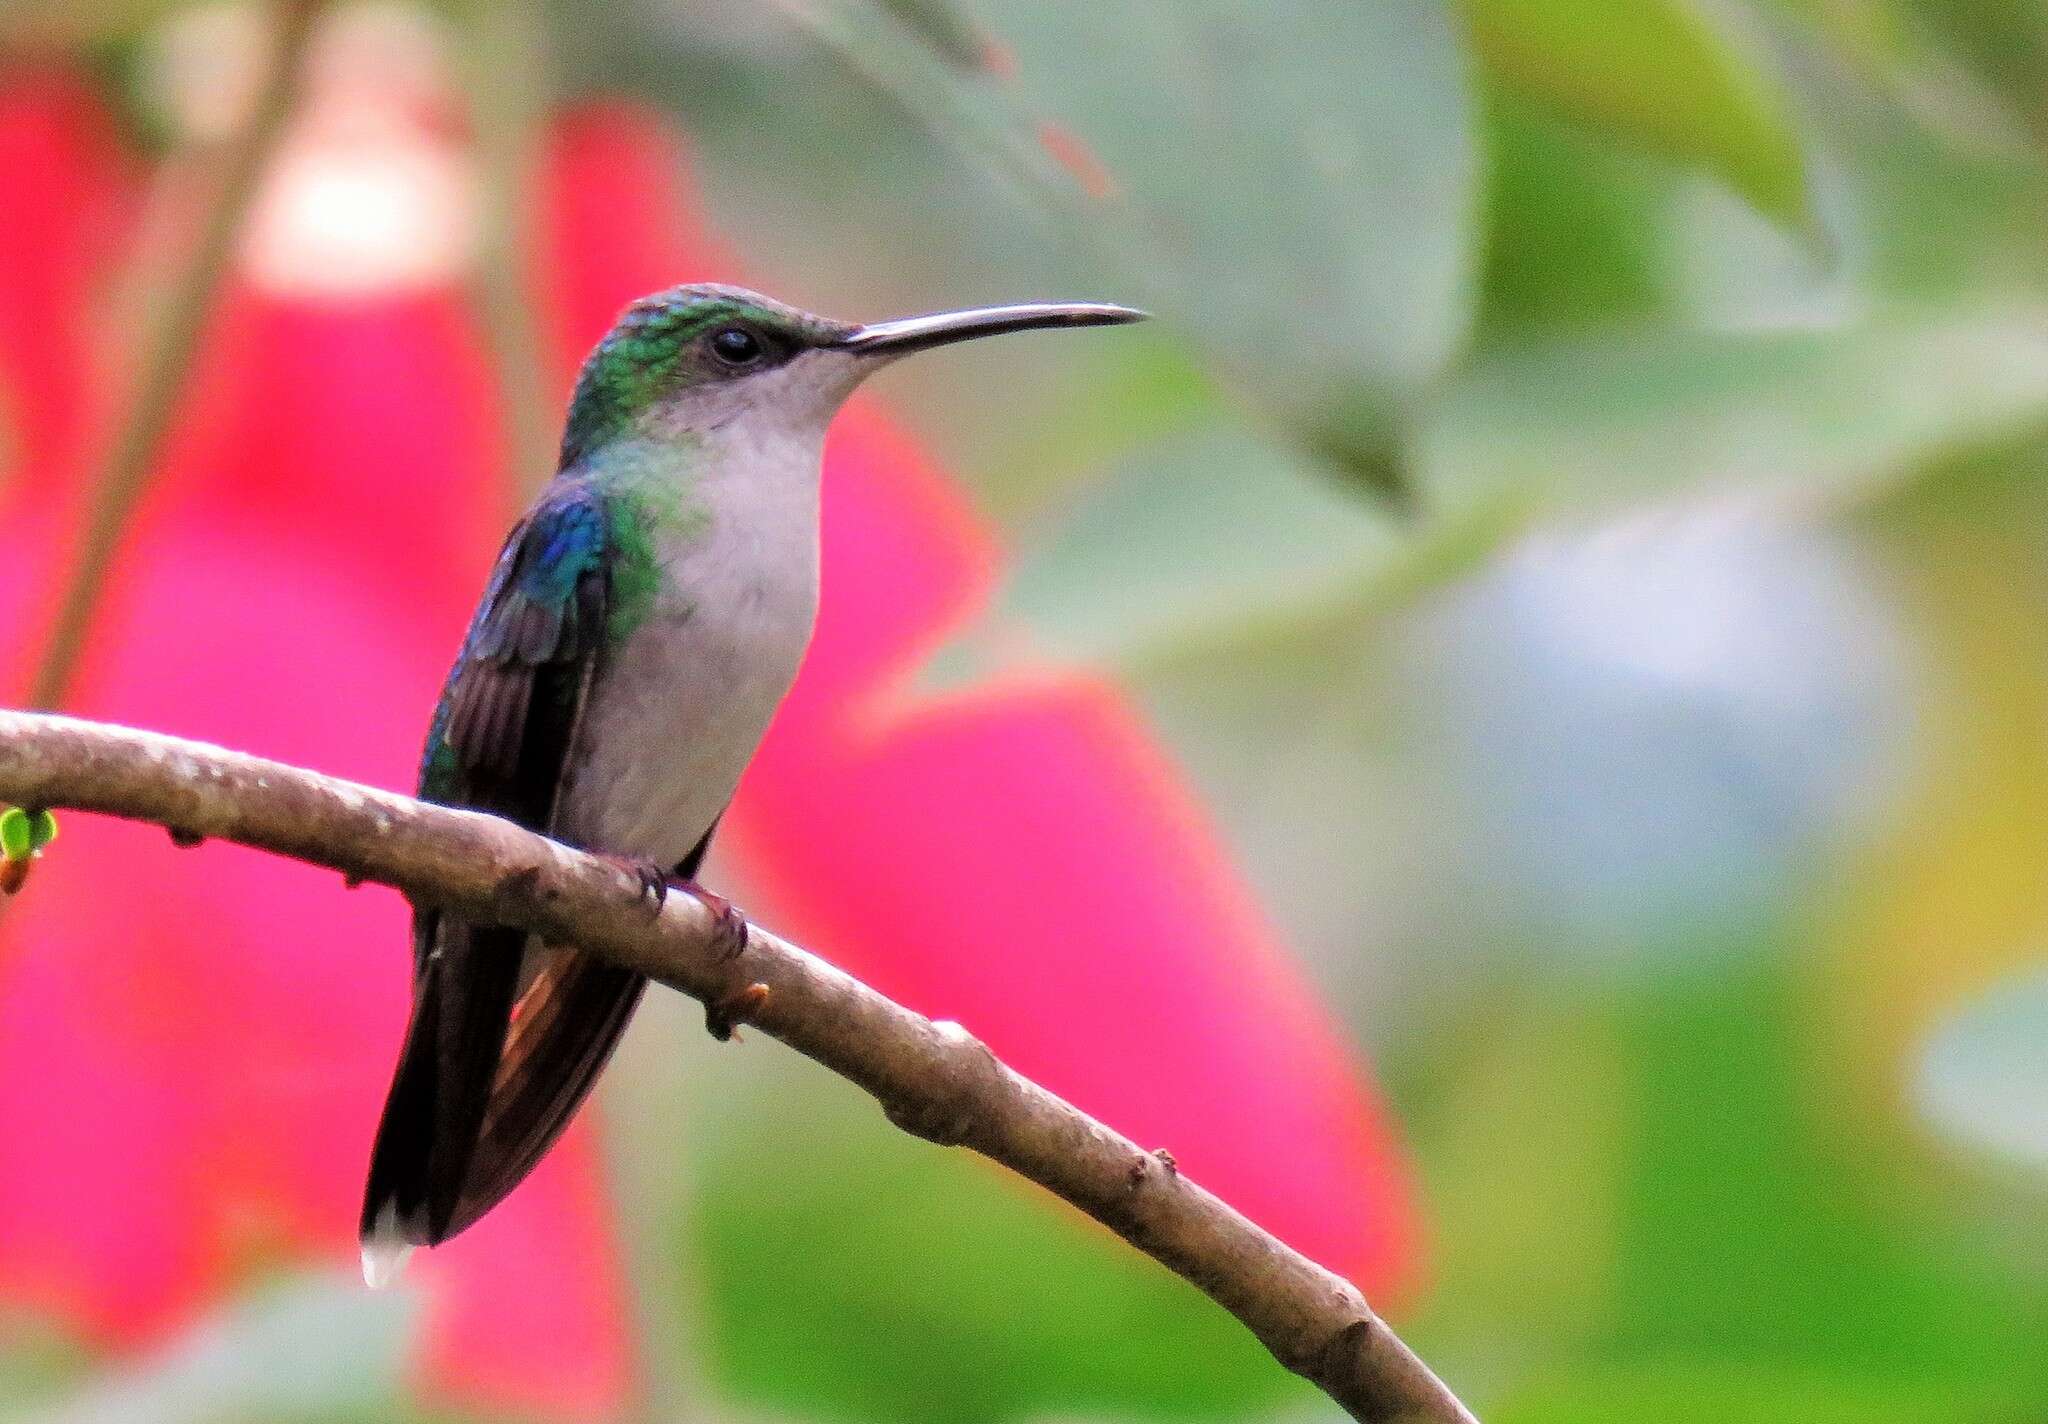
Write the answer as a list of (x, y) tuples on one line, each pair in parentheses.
[(643, 621)]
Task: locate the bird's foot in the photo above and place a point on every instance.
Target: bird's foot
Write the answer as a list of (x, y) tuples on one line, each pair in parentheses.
[(724, 1015), (652, 879), (729, 938)]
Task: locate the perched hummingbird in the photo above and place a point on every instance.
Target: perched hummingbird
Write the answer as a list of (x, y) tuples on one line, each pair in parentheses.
[(642, 623)]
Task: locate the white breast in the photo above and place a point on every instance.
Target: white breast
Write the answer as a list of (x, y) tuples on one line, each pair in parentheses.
[(684, 699)]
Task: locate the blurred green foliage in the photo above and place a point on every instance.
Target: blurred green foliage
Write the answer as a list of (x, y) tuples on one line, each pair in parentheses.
[(1658, 73), (863, 1274), (1471, 318)]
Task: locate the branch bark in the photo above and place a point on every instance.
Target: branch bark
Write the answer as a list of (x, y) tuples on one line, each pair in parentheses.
[(933, 1079)]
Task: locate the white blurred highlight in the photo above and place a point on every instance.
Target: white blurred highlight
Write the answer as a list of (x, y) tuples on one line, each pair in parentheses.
[(373, 190)]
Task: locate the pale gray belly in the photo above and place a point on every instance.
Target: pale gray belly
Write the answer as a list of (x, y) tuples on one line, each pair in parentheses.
[(676, 715)]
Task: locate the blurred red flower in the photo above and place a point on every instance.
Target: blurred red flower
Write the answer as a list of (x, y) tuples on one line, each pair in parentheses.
[(192, 1046)]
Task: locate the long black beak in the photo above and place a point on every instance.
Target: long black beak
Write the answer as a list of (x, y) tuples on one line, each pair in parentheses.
[(921, 333)]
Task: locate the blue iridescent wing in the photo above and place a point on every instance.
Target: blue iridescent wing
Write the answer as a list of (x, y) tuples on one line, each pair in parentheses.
[(483, 1089), (501, 732)]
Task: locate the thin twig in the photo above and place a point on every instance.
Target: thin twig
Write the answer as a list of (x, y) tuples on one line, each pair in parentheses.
[(166, 362), (934, 1080)]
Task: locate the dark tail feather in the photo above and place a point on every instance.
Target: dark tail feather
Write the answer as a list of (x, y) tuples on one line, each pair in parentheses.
[(394, 1202), (441, 1092), (481, 1093), (569, 1021)]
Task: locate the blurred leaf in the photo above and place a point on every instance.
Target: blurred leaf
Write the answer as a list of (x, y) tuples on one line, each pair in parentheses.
[(319, 1348), (1884, 45), (1206, 536), (1818, 415), (1658, 73), (916, 58), (940, 24), (1575, 227), (2004, 41), (1292, 184), (855, 1273), (1984, 1078)]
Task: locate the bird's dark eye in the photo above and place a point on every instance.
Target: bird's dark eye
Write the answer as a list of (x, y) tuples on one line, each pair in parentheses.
[(736, 346)]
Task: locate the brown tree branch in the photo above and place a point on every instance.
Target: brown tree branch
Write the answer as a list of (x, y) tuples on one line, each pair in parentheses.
[(933, 1079)]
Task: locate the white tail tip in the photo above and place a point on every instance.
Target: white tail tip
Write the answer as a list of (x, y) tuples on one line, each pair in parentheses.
[(384, 1251)]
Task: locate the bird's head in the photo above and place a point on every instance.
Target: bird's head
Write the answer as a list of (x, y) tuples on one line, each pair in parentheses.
[(698, 358)]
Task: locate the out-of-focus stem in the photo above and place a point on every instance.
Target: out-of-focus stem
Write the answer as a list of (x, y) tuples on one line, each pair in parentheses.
[(508, 86), (169, 344)]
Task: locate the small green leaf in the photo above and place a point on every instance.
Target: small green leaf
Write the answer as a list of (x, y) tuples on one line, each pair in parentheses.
[(1659, 74), (42, 829), (17, 837)]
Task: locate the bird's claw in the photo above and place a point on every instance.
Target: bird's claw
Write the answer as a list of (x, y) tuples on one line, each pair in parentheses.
[(653, 881), (729, 937), (723, 1015)]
